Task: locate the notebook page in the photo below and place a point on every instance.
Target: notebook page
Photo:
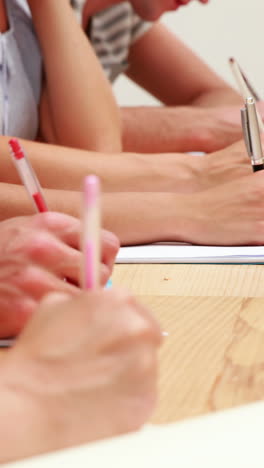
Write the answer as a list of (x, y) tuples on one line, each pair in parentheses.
[(185, 253), (228, 439)]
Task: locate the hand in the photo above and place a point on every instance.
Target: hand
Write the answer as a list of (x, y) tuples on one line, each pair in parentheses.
[(224, 166), (189, 174), (219, 127), (110, 247), (83, 369), (230, 214), (37, 254)]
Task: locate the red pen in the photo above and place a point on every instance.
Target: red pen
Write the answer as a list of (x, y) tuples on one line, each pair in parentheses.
[(27, 176)]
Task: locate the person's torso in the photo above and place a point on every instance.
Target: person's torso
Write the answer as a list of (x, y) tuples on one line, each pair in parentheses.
[(20, 73)]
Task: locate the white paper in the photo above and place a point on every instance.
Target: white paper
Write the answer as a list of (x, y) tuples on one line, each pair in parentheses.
[(185, 253), (229, 439)]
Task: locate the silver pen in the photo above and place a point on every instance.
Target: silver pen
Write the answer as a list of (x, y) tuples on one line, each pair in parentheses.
[(251, 132), (252, 90), (245, 87)]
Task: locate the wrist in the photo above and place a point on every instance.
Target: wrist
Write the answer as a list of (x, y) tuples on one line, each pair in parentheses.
[(28, 428), (176, 220), (195, 220), (183, 173), (171, 172), (192, 128), (202, 131)]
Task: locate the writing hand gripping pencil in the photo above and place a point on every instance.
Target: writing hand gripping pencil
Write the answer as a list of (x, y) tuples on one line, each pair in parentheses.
[(32, 185), (91, 234), (251, 134)]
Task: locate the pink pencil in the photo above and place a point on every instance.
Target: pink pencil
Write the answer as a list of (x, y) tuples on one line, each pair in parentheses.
[(91, 244), (27, 175)]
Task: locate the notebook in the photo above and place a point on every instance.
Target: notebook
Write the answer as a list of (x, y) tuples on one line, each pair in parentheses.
[(229, 439), (185, 253)]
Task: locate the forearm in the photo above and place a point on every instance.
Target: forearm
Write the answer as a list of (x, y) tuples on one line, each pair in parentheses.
[(65, 168), (162, 129), (82, 105), (133, 217), (181, 129), (138, 218), (174, 74), (15, 201), (222, 96)]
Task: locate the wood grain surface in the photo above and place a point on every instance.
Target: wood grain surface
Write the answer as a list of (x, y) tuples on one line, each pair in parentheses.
[(192, 280), (213, 357)]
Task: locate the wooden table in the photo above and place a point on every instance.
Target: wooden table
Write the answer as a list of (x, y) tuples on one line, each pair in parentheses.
[(213, 357)]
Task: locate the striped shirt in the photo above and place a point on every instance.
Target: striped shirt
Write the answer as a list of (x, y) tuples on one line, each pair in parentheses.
[(112, 32)]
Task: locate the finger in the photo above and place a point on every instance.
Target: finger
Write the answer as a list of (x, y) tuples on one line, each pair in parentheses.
[(153, 324), (134, 314), (110, 247), (36, 282), (105, 273), (66, 263), (15, 314), (65, 227), (48, 252)]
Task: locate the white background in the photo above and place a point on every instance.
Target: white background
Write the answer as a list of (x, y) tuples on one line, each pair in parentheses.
[(215, 31)]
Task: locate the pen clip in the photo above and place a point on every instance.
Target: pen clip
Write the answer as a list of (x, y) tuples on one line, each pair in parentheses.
[(246, 131)]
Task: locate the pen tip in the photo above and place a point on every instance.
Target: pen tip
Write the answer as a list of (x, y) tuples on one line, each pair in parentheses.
[(16, 148)]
